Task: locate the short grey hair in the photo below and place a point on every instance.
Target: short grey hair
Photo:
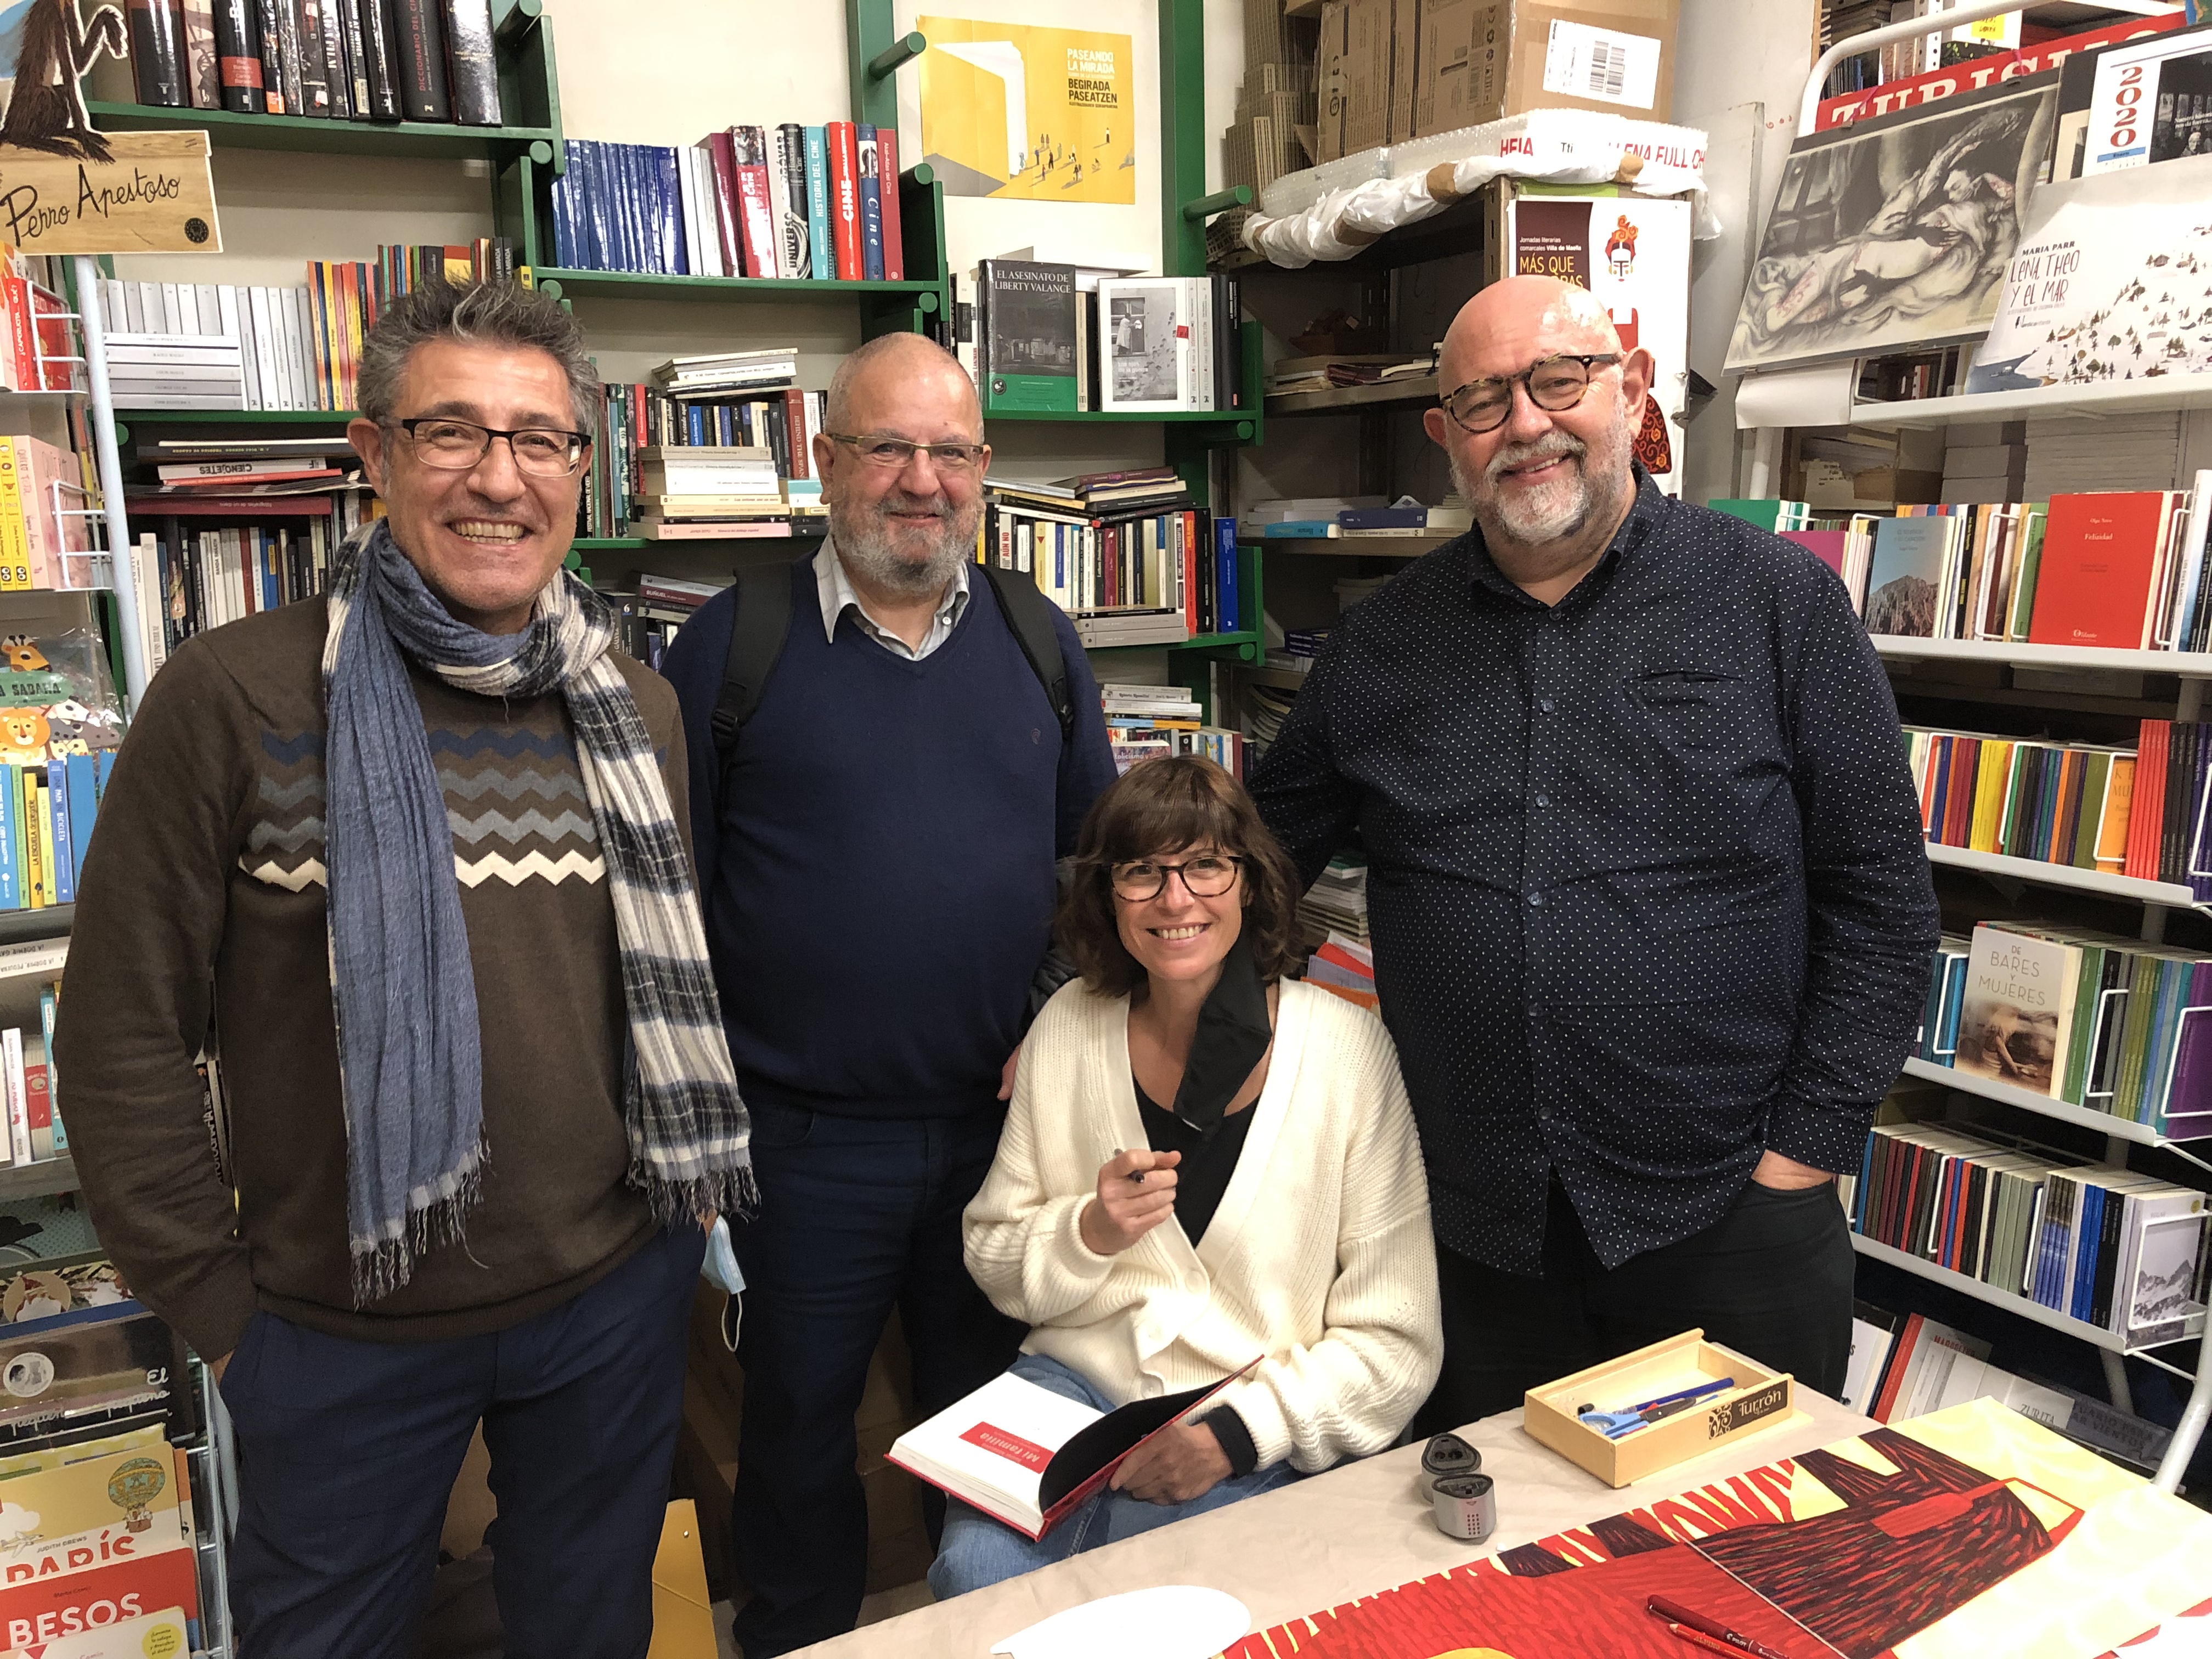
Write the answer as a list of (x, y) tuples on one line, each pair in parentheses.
[(475, 313), (857, 363)]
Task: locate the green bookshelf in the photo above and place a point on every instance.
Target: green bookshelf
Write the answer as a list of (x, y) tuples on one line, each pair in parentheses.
[(308, 135), (562, 283)]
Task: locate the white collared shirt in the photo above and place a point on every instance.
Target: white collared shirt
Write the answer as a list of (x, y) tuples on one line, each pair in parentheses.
[(837, 597)]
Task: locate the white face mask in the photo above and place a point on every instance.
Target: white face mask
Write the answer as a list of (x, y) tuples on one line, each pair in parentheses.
[(720, 1270)]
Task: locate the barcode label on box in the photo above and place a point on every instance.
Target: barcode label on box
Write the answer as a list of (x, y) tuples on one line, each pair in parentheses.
[(1603, 64)]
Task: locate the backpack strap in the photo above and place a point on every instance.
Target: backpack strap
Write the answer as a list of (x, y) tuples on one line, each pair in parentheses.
[(1029, 614), (756, 635)]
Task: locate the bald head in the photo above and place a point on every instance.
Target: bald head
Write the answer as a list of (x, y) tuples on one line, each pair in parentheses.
[(1512, 324), (896, 370)]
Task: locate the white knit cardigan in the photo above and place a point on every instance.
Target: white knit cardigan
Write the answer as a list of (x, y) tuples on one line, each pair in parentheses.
[(1319, 1260)]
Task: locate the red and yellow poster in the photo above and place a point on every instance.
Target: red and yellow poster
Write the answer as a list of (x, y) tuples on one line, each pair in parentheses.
[(1968, 1533)]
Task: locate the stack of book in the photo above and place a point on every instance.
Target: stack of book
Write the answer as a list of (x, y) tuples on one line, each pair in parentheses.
[(1293, 374), (1344, 966), (2063, 803), (706, 492), (2092, 1019), (344, 60), (2113, 1247), (692, 404), (1127, 555), (1265, 708), (1337, 901), (649, 614), (39, 342), (2166, 819), (214, 345), (36, 1134), (785, 202), (45, 541), (1040, 337), (1144, 720)]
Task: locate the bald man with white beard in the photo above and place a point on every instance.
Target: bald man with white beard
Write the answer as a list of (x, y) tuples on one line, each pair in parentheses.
[(1651, 916)]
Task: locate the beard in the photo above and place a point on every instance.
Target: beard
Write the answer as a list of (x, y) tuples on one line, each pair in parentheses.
[(1529, 518), (907, 560)]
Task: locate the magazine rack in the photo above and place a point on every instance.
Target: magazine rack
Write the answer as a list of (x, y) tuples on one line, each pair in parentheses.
[(2194, 670)]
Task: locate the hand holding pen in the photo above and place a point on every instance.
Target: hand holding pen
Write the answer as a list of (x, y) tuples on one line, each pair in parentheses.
[(1136, 1192)]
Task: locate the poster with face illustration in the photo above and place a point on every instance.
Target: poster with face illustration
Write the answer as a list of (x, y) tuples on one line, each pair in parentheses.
[(1633, 253)]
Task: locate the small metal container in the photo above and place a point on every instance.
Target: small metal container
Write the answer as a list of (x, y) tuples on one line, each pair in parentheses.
[(1465, 1506), (1445, 1455)]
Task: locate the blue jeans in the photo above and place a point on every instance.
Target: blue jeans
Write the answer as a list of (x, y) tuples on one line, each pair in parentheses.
[(346, 1450), (979, 1550)]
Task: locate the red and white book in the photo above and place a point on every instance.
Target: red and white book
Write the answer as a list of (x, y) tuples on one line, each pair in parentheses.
[(722, 154), (303, 466), (844, 147), (714, 530), (755, 211), (1028, 1455)]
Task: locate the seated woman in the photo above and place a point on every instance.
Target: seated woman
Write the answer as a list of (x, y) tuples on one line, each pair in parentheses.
[(1202, 1163)]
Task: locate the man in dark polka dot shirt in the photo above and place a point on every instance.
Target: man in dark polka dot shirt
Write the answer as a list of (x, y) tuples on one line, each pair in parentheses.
[(1652, 919)]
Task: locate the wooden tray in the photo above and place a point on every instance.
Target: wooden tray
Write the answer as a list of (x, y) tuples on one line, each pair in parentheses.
[(1759, 1397)]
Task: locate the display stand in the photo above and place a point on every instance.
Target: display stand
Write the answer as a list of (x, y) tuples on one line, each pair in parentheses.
[(2157, 900)]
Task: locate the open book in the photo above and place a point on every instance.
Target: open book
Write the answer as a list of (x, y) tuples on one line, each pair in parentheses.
[(1028, 1455)]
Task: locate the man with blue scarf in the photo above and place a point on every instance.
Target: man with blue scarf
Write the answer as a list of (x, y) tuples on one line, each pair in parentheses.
[(412, 860)]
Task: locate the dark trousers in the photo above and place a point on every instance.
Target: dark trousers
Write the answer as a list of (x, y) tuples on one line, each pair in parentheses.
[(1771, 1279), (858, 1215), (347, 1451)]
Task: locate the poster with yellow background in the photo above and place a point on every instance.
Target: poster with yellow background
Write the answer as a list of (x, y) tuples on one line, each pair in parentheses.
[(1028, 114)]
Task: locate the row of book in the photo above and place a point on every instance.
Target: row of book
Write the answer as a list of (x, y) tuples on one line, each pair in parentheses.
[(190, 580), (214, 345), (1148, 579), (1143, 721), (45, 538), (36, 1134), (790, 202), (345, 60), (1036, 340), (2061, 803), (748, 455), (40, 349), (2094, 1019), (1910, 1365), (648, 614), (1337, 901), (2113, 1248), (48, 808)]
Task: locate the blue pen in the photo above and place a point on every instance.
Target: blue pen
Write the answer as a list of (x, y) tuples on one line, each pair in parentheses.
[(1613, 1425)]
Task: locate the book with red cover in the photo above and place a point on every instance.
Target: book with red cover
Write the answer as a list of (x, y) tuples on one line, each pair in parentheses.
[(2146, 806), (756, 222), (724, 156), (1028, 1456), (2100, 553), (888, 189), (845, 198)]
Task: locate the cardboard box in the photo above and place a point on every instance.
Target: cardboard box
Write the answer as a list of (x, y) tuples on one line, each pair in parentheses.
[(1367, 75), (1758, 1398), (1482, 60), (683, 1614)]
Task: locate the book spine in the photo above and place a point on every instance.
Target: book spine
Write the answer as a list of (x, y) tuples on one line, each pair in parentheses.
[(289, 32), (19, 1119), (355, 43), (14, 893), (379, 27), (34, 838), (872, 205), (721, 148), (423, 94), (668, 246), (157, 52), (794, 250), (337, 77), (475, 70), (845, 198), (888, 193), (49, 999), (750, 148), (269, 14), (64, 857), (822, 260), (202, 75), (314, 79)]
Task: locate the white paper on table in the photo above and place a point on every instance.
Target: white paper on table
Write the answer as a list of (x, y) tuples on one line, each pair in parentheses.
[(1178, 1621)]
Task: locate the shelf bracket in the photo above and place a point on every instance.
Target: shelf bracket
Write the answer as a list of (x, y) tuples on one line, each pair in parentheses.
[(1221, 201), (904, 50)]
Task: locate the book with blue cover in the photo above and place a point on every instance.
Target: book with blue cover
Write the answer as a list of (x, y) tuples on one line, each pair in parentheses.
[(57, 799), (83, 805), (1228, 606), (872, 205)]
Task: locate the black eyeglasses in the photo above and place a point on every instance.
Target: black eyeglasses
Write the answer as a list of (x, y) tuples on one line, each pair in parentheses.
[(456, 445), (1208, 876), (1555, 386), (892, 454)]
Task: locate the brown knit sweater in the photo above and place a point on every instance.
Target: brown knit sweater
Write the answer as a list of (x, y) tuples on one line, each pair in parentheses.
[(204, 892)]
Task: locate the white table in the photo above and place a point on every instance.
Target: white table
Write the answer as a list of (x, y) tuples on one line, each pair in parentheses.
[(1328, 1539)]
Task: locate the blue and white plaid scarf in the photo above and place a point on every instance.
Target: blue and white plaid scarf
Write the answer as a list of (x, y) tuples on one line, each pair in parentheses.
[(400, 971)]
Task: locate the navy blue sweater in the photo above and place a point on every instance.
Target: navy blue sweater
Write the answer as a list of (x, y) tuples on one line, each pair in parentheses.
[(877, 874)]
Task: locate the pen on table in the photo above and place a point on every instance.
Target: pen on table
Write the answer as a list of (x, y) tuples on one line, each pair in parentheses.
[(1699, 1639), (1675, 1613)]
